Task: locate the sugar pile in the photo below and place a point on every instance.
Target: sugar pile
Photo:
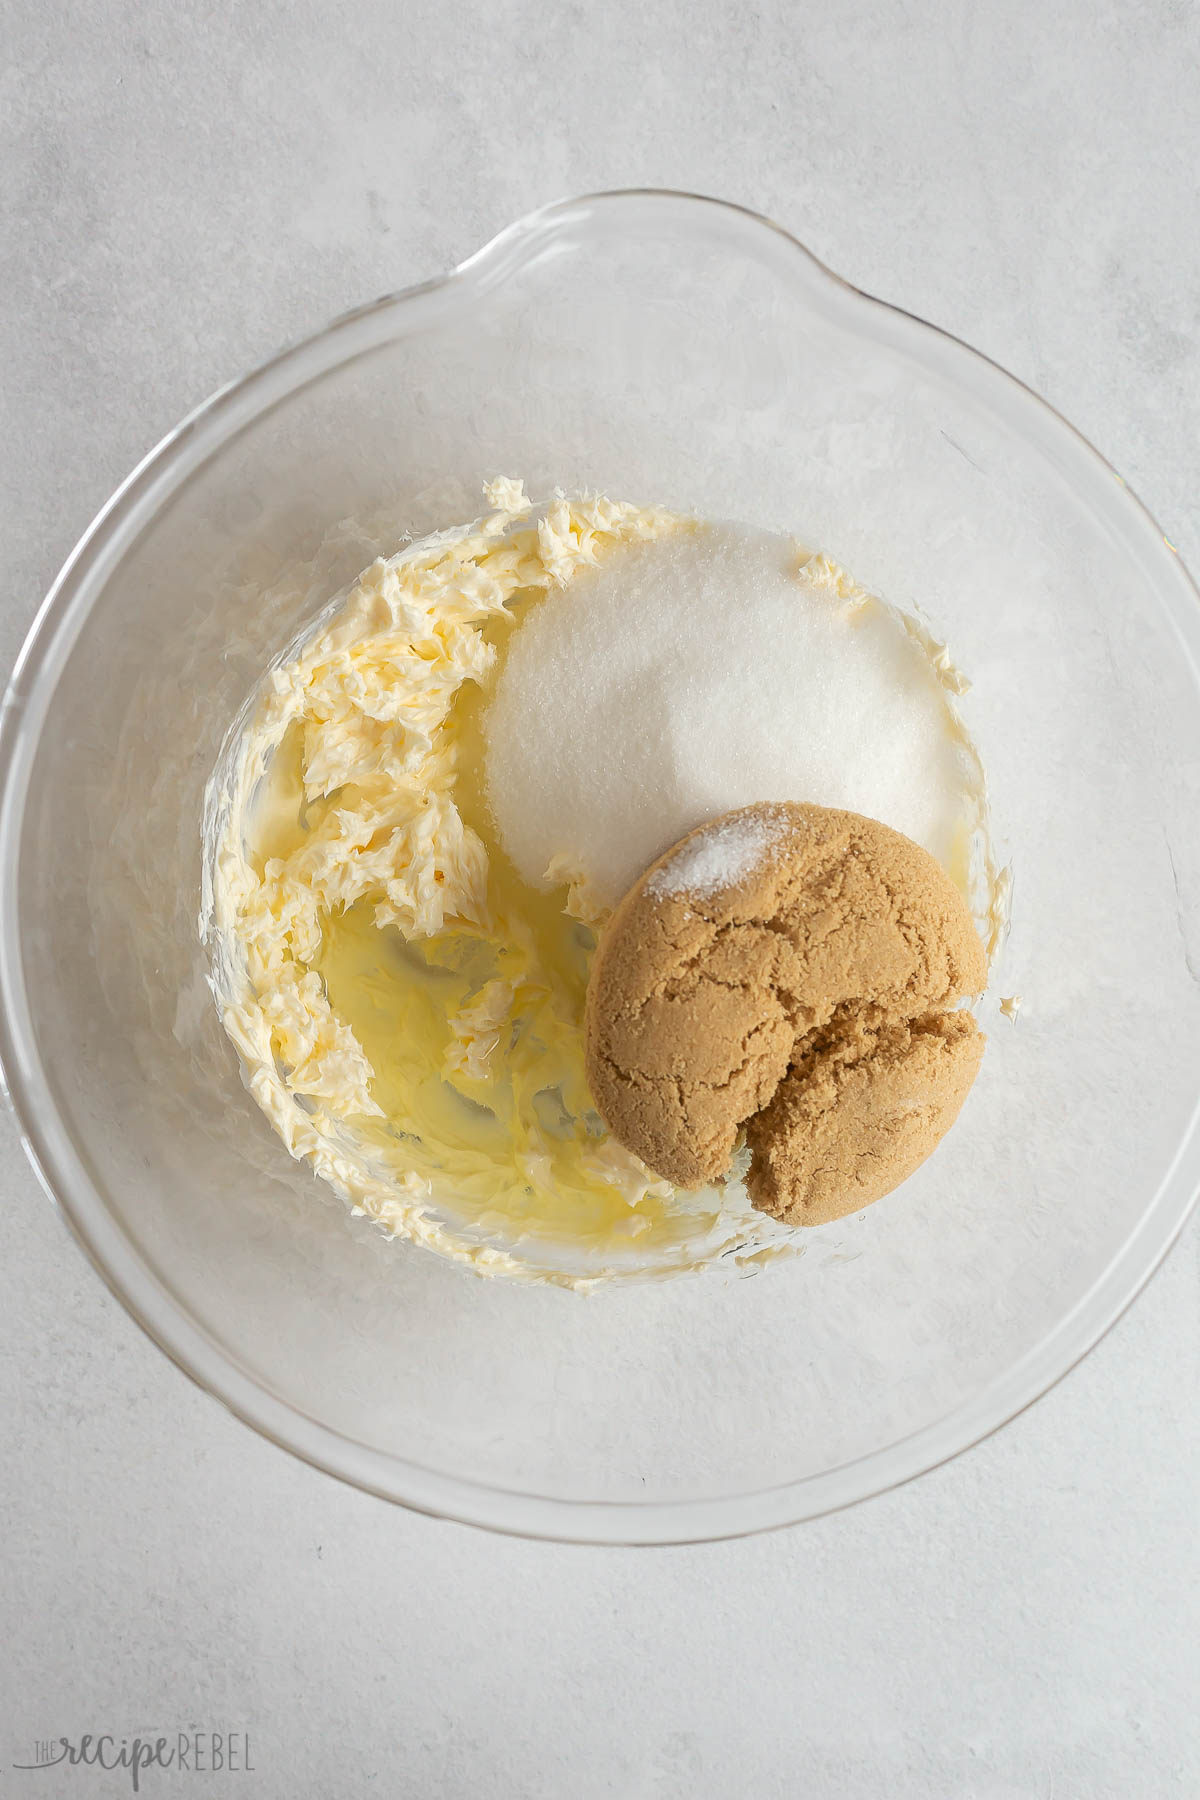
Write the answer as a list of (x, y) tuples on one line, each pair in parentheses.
[(701, 671), (721, 858)]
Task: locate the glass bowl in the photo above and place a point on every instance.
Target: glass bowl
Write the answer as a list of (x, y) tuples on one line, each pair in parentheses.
[(662, 348)]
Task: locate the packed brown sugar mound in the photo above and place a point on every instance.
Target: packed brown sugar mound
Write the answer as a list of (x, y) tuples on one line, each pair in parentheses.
[(792, 970)]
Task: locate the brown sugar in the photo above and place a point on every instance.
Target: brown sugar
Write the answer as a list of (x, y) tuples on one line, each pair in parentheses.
[(794, 971)]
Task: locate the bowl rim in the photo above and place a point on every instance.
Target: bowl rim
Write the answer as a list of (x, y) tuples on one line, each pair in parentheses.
[(61, 1170)]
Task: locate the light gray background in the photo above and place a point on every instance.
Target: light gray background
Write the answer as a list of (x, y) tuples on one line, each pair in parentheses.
[(189, 185)]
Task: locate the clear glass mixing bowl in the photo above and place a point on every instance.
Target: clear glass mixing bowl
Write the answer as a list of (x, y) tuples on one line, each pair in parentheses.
[(672, 349)]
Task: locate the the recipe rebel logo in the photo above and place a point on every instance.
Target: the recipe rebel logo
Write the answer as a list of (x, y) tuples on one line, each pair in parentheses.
[(193, 1752)]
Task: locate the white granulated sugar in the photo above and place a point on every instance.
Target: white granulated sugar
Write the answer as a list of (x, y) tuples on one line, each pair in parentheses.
[(719, 858), (698, 672)]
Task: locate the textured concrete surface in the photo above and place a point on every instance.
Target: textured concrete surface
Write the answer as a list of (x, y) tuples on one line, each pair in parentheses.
[(187, 186)]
